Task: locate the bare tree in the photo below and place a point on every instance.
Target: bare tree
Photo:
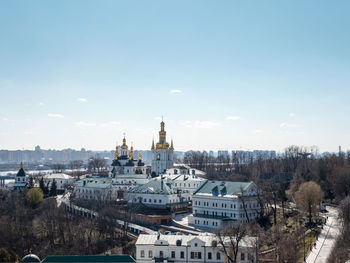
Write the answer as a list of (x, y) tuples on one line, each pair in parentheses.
[(230, 238)]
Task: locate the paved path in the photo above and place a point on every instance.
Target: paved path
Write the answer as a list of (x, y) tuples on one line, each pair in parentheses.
[(326, 239)]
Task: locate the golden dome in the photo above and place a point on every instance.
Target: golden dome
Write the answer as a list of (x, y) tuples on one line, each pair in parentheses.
[(124, 146)]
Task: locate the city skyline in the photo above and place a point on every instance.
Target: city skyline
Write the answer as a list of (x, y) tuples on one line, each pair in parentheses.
[(228, 75)]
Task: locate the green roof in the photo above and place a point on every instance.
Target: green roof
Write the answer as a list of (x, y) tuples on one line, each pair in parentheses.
[(97, 258), (222, 188), (155, 186)]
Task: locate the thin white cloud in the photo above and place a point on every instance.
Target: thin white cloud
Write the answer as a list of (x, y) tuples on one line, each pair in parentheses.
[(84, 124), (41, 103), (258, 131), (205, 124), (175, 91), (158, 118), (55, 115), (233, 118), (288, 125), (292, 114), (112, 124), (186, 123), (82, 99), (5, 119)]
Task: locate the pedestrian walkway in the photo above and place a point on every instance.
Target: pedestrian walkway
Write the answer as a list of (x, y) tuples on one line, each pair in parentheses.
[(326, 239)]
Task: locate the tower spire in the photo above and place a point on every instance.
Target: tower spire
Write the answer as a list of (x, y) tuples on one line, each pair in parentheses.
[(21, 165), (153, 144)]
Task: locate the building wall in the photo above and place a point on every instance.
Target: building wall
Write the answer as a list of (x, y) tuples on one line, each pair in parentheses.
[(152, 200), (162, 159), (208, 210), (147, 253)]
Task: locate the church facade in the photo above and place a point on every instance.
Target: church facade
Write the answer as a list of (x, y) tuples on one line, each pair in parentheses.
[(162, 153)]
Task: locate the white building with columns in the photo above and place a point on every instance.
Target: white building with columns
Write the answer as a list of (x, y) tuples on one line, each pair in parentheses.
[(188, 248), (218, 202), (162, 153)]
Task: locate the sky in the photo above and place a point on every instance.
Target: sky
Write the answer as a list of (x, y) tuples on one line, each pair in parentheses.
[(225, 75)]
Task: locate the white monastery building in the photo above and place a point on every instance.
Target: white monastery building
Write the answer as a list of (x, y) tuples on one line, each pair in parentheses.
[(218, 202), (188, 248), (186, 178), (62, 180), (158, 193)]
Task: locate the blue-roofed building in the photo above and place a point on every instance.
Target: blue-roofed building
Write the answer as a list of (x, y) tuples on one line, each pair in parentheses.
[(216, 203)]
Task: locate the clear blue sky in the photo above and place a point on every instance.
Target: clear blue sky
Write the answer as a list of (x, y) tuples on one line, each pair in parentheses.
[(225, 74)]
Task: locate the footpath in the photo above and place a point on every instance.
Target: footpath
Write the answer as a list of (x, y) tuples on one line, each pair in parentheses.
[(326, 239)]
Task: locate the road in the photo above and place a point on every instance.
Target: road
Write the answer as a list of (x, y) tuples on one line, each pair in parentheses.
[(326, 239)]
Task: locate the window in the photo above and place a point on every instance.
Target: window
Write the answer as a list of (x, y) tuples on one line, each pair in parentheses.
[(242, 256), (142, 254), (195, 244), (209, 255), (197, 255), (182, 254), (150, 254), (192, 254), (160, 201), (161, 254), (150, 200), (218, 256), (172, 254)]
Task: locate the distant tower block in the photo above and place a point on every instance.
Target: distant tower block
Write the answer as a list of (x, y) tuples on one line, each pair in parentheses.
[(162, 153)]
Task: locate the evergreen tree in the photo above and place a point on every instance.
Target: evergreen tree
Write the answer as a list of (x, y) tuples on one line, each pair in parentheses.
[(31, 182), (53, 190), (42, 185), (46, 189)]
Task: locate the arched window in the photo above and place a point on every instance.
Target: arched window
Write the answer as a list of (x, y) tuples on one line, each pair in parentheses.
[(218, 256)]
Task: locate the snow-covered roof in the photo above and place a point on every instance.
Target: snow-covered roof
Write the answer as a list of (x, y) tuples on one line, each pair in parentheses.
[(58, 176), (94, 183), (172, 240)]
